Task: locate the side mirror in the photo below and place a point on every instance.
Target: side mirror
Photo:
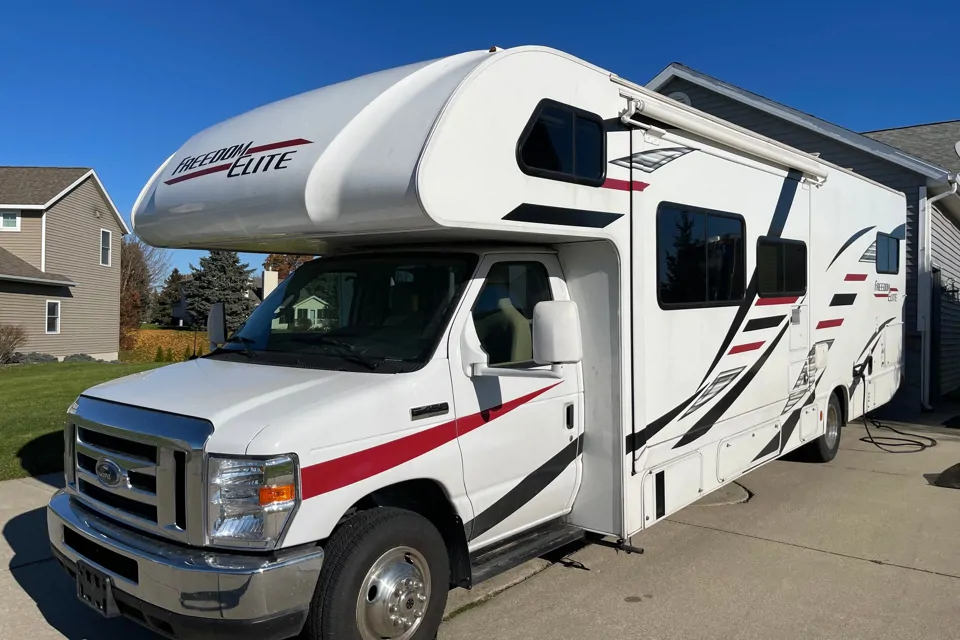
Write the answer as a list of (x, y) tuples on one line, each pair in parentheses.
[(216, 325), (556, 333)]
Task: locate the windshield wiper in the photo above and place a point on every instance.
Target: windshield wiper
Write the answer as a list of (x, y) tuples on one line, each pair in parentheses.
[(345, 350), (246, 342)]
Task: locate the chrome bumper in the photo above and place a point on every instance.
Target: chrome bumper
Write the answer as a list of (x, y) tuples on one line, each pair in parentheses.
[(185, 581)]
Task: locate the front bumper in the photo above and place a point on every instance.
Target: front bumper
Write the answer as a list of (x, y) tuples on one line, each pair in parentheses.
[(184, 592)]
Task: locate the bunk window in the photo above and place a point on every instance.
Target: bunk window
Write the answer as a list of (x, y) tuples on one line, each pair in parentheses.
[(700, 257), (563, 143), (888, 254), (781, 267)]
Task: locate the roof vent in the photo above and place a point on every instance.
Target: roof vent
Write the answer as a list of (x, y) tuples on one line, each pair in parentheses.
[(680, 97), (494, 49)]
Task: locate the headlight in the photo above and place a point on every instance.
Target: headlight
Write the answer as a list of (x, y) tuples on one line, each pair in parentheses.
[(250, 501)]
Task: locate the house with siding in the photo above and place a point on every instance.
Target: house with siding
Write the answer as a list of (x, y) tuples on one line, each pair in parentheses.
[(60, 236), (926, 177)]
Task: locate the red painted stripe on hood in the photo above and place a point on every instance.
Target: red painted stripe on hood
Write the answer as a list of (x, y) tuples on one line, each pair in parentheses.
[(855, 277), (340, 472), (296, 142), (741, 348), (763, 302), (826, 324), (623, 185)]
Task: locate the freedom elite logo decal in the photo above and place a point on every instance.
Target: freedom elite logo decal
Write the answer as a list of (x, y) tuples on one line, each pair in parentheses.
[(243, 159)]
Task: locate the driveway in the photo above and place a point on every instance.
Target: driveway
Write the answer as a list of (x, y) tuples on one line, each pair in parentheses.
[(863, 547)]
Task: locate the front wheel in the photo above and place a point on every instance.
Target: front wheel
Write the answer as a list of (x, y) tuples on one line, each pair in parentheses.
[(385, 576)]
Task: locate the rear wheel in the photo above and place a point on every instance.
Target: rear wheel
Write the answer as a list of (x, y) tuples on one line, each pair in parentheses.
[(385, 577), (824, 448)]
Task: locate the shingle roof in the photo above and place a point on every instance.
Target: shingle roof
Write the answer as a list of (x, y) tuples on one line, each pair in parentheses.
[(933, 142), (35, 185), (17, 270)]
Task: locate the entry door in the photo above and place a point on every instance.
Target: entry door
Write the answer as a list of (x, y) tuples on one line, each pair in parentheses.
[(520, 437)]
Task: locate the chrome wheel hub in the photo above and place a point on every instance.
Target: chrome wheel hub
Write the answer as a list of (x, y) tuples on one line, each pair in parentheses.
[(394, 596), (832, 433)]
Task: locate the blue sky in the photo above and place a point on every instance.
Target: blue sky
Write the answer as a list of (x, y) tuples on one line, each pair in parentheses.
[(120, 85)]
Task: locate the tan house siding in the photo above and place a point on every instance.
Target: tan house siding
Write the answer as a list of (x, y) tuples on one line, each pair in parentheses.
[(26, 305), (90, 319), (25, 244)]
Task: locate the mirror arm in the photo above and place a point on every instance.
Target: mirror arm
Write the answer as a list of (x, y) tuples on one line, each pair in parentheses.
[(555, 372)]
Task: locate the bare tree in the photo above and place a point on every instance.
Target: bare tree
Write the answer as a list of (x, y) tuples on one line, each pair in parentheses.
[(156, 259)]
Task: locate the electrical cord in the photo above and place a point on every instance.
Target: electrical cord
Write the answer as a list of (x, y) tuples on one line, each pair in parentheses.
[(913, 441)]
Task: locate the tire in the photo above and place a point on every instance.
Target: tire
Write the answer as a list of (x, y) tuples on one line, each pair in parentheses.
[(373, 562), (824, 448)]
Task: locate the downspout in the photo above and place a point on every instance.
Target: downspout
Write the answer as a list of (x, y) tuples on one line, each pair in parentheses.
[(927, 266)]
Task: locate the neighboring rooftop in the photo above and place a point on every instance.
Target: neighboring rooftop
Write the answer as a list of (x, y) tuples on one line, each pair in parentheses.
[(36, 185), (14, 269), (934, 142)]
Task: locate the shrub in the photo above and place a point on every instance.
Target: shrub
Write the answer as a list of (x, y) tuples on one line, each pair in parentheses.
[(147, 341), (34, 357), (187, 353), (200, 349), (80, 357), (159, 356), (12, 337), (169, 357)]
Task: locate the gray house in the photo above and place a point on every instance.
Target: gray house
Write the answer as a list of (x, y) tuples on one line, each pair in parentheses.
[(918, 163), (60, 240)]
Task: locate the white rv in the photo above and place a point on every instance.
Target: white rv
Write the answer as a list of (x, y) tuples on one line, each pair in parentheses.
[(554, 306)]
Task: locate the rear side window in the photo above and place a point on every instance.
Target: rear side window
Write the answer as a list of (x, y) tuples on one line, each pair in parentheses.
[(781, 267), (563, 143), (888, 254)]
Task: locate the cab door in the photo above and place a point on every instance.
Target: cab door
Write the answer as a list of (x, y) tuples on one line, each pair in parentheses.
[(519, 436)]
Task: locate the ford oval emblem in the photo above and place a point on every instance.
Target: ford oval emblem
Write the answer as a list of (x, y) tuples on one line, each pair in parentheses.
[(109, 472)]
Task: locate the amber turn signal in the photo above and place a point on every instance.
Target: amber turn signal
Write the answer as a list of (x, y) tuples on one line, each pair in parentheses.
[(270, 495)]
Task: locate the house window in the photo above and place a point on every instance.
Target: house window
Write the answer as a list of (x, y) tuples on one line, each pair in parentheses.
[(53, 316), (9, 221), (563, 143), (503, 312), (105, 250), (781, 267), (700, 257), (888, 254)]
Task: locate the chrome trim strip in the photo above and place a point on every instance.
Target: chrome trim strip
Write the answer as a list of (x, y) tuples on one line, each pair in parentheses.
[(127, 463), (124, 490)]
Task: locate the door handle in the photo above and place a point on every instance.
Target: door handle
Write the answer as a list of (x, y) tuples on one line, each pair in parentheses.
[(569, 416)]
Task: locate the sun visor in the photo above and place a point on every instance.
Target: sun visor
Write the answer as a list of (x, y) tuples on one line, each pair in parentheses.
[(337, 160)]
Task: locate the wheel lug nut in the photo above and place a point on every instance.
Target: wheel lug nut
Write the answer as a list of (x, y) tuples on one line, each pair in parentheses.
[(417, 614), (393, 608), (398, 592), (396, 621), (408, 582), (421, 597), (407, 624)]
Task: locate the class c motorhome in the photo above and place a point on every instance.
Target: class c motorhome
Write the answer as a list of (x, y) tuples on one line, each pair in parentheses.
[(551, 305)]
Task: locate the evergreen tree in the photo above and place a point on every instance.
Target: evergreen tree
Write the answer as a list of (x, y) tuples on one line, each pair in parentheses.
[(168, 297), (221, 277)]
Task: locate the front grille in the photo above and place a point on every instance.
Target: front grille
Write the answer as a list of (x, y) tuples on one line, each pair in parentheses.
[(149, 463)]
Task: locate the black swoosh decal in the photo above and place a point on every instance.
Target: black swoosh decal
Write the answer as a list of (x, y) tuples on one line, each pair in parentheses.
[(856, 381), (524, 492), (708, 419), (543, 214), (849, 242), (843, 299), (635, 441), (788, 425), (764, 323), (784, 202)]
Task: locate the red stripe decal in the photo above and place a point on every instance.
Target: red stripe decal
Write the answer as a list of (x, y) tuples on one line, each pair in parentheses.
[(826, 324), (763, 302), (894, 289), (340, 472), (740, 348), (196, 174), (296, 142), (855, 277), (882, 295), (623, 185)]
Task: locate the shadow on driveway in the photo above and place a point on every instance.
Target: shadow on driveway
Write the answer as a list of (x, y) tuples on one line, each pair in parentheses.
[(51, 588), (42, 458)]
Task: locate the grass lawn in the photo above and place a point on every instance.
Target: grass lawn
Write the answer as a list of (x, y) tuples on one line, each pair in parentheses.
[(33, 403)]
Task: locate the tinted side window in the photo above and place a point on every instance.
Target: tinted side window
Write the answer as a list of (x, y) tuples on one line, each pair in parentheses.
[(888, 254), (503, 312), (563, 143), (700, 258), (781, 267)]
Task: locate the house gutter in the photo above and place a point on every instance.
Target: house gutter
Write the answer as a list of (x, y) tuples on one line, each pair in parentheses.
[(925, 299), (60, 283)]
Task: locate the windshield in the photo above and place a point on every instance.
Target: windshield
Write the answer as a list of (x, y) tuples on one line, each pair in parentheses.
[(381, 313)]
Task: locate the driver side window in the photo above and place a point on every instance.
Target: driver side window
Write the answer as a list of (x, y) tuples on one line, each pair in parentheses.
[(503, 312)]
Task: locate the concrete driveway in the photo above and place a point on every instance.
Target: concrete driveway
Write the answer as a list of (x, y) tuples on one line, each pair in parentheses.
[(863, 547)]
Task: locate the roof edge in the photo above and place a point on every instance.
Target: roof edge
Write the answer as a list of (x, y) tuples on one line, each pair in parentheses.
[(828, 129), (27, 279), (91, 173)]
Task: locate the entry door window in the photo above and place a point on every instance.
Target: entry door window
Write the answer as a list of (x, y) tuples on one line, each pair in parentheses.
[(503, 312)]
